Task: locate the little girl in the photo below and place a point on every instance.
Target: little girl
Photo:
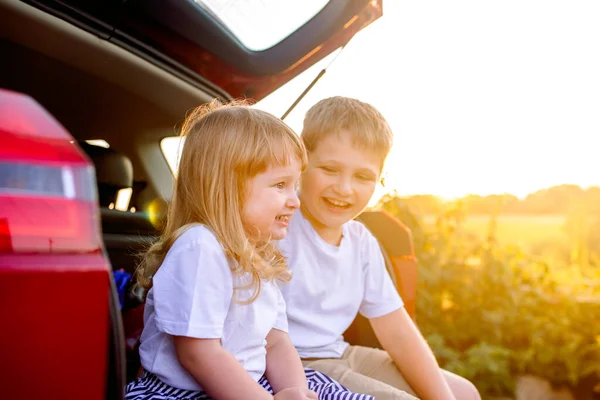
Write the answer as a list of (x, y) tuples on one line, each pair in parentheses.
[(214, 322)]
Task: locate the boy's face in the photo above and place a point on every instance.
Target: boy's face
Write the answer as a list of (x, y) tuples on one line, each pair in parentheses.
[(338, 182)]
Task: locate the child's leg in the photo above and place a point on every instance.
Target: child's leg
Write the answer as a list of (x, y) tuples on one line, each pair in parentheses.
[(461, 387), (149, 386), (378, 364), (339, 370)]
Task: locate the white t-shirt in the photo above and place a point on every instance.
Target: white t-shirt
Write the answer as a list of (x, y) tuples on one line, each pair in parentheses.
[(193, 296), (331, 284)]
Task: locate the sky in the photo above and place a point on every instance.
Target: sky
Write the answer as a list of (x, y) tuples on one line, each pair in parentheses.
[(483, 96)]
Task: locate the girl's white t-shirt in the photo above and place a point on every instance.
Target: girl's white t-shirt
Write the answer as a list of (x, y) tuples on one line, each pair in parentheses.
[(330, 285), (193, 295)]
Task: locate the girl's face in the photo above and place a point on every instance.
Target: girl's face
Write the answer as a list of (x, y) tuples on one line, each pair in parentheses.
[(270, 201)]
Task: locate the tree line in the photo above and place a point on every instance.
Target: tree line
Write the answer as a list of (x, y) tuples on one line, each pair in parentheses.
[(561, 199)]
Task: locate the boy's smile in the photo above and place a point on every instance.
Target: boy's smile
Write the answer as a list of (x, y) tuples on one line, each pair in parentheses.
[(337, 184), (337, 205)]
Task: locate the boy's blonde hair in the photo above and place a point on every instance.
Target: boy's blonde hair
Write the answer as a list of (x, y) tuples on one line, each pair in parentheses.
[(225, 147), (367, 127)]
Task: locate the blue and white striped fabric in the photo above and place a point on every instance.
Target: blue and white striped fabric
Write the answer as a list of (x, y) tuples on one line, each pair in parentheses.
[(149, 387)]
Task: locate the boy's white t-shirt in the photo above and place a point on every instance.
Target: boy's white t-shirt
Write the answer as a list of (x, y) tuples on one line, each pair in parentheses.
[(331, 284), (193, 295)]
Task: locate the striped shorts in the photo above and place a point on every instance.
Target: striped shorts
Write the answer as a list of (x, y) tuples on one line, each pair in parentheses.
[(149, 387)]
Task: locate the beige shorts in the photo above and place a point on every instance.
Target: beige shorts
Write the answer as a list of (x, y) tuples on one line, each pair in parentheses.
[(365, 370)]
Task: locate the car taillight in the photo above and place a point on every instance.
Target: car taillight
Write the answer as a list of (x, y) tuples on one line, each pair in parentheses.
[(54, 276), (48, 200)]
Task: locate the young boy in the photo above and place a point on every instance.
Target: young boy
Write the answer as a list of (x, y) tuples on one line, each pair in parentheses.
[(339, 269)]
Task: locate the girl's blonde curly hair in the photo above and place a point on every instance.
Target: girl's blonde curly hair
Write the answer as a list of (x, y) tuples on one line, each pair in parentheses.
[(225, 146)]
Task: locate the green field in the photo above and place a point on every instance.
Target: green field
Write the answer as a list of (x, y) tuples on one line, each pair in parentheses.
[(522, 230)]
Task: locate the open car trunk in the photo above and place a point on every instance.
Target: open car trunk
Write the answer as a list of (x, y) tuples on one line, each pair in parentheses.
[(239, 49), (128, 71)]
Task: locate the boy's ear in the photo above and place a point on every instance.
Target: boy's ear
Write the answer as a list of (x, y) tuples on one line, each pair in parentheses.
[(382, 178)]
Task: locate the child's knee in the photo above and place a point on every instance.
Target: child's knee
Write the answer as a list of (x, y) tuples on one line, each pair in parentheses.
[(472, 391), (462, 388), (466, 390)]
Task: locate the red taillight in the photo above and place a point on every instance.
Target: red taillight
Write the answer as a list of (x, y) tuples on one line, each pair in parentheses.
[(54, 277), (47, 189)]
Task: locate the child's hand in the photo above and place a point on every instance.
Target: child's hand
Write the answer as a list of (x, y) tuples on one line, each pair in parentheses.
[(296, 394)]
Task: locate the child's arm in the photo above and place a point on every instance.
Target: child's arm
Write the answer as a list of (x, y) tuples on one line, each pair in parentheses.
[(402, 340), (217, 370), (284, 368)]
